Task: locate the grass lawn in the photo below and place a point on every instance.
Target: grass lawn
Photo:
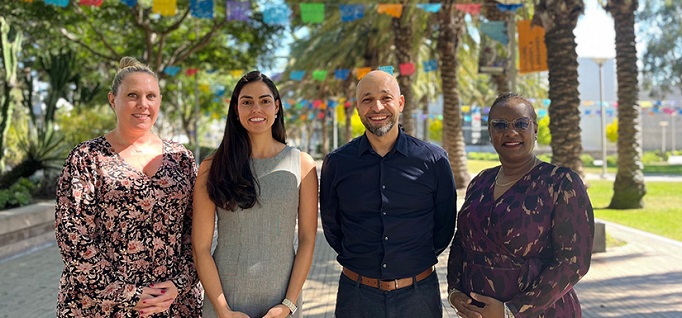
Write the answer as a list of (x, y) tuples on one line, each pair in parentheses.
[(662, 212)]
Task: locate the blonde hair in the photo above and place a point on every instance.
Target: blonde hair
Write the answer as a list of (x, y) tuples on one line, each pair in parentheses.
[(126, 66)]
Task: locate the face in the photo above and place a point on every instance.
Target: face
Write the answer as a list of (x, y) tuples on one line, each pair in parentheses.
[(257, 108), (513, 143), (137, 102), (379, 102)]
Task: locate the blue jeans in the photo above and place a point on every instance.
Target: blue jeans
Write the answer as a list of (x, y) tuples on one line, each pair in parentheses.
[(422, 299)]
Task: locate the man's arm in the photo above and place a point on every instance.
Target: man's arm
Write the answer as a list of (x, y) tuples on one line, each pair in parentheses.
[(329, 204), (445, 206)]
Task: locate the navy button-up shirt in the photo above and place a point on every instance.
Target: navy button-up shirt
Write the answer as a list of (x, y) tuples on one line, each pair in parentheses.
[(388, 217)]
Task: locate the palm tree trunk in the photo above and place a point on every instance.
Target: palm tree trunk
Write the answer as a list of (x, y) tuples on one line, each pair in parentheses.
[(402, 37), (629, 188), (559, 18), (493, 14), (451, 27)]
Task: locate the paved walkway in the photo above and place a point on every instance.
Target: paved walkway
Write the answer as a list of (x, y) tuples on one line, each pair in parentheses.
[(640, 279)]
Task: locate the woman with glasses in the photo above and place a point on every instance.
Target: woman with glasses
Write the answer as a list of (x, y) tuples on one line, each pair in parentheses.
[(524, 233)]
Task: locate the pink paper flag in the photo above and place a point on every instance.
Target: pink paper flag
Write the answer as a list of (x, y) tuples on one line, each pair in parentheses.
[(470, 8), (407, 69), (394, 10), (94, 3)]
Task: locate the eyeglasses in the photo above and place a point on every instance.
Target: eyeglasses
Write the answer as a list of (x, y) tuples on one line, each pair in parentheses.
[(520, 124)]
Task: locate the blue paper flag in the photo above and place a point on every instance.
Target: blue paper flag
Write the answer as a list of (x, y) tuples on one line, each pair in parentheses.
[(341, 74), (430, 65), (351, 12), (297, 75), (276, 14), (59, 3), (429, 7), (237, 11), (202, 9), (509, 7), (386, 68), (496, 30), (171, 70), (130, 3)]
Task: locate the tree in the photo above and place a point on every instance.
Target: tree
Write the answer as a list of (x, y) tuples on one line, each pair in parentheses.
[(661, 29), (450, 29), (559, 19), (629, 188), (403, 40), (10, 47)]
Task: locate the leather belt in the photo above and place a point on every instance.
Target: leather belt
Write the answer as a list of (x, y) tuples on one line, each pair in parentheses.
[(387, 285)]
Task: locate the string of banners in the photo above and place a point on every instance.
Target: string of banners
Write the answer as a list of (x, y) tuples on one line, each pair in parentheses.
[(311, 12)]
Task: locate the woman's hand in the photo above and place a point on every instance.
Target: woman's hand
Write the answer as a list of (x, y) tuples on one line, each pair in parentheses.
[(493, 308), (156, 298), (236, 314), (279, 311), (463, 306)]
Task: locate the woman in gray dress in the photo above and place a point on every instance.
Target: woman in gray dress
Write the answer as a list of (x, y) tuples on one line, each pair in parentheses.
[(257, 187)]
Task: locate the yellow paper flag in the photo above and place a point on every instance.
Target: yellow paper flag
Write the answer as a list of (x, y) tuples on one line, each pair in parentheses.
[(362, 71), (165, 7), (205, 88), (394, 10), (236, 73)]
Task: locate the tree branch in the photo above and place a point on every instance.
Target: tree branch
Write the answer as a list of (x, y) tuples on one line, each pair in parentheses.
[(182, 53), (75, 39)]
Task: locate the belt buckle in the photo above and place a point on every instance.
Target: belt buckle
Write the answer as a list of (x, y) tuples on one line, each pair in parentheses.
[(396, 283)]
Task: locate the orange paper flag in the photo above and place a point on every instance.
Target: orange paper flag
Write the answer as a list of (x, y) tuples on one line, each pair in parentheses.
[(532, 49), (362, 71), (394, 10)]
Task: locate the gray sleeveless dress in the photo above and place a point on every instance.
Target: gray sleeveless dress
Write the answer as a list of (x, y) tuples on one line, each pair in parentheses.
[(255, 247)]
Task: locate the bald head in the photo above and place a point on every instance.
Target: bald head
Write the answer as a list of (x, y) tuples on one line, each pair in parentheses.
[(375, 79)]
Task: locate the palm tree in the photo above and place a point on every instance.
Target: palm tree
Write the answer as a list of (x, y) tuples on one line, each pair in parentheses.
[(492, 13), (405, 53), (559, 18), (450, 29), (629, 188)]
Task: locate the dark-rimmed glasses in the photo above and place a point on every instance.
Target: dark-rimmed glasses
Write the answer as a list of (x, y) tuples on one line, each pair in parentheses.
[(520, 124)]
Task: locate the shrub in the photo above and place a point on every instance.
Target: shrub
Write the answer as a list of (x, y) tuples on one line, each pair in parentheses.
[(18, 194)]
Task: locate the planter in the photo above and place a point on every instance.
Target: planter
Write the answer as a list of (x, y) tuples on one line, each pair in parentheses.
[(26, 228)]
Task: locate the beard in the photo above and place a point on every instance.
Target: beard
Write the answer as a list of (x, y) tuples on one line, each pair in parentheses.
[(380, 131)]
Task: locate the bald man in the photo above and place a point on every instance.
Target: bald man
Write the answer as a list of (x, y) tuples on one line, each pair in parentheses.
[(387, 202)]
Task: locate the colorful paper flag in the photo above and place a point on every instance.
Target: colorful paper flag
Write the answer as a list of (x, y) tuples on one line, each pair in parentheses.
[(362, 71), (165, 7), (470, 8), (171, 70), (509, 7), (202, 9), (406, 69), (320, 75), (59, 3), (496, 30), (429, 7), (237, 11), (29, 1), (430, 65), (351, 12), (130, 3), (236, 73), (341, 74), (312, 12), (92, 3), (218, 90), (532, 49), (276, 14), (204, 88), (386, 68), (191, 71), (276, 77), (394, 10), (509, 1), (297, 75)]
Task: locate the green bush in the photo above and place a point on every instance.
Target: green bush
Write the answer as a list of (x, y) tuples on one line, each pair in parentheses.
[(485, 156), (587, 159), (18, 194)]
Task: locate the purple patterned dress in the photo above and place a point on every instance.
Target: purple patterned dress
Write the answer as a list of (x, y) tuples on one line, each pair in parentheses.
[(529, 247), (120, 230)]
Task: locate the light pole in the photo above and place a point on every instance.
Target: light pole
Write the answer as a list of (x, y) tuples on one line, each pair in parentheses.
[(663, 124), (600, 62)]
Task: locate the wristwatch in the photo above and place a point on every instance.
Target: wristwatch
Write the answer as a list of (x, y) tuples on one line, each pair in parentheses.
[(290, 305)]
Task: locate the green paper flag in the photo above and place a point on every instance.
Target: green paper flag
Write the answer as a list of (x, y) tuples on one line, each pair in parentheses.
[(319, 75), (312, 12)]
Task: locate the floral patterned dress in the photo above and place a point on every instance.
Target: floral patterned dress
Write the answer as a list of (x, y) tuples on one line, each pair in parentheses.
[(529, 247), (120, 230)]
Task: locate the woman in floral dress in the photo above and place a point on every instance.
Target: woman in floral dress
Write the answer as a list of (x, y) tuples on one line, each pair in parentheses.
[(124, 214), (524, 234)]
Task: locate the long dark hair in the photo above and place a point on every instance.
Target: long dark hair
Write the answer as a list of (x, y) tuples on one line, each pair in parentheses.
[(231, 182)]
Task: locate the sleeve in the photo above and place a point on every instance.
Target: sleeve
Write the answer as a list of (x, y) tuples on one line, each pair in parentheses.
[(87, 268), (329, 205), (572, 236), (445, 204), (187, 278)]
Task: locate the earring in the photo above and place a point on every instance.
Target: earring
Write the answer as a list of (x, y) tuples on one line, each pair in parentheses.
[(237, 117), (275, 115)]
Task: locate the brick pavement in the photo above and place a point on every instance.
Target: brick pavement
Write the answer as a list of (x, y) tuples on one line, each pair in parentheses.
[(641, 279)]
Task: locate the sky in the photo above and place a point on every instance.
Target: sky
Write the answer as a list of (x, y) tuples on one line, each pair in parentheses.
[(594, 33)]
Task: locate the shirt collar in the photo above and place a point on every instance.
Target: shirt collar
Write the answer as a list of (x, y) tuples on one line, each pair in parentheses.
[(399, 146)]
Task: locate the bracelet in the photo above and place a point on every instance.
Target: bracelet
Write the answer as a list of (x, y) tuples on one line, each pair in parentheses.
[(450, 298), (292, 307)]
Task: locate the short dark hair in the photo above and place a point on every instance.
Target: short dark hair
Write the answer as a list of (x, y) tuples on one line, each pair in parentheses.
[(231, 182), (504, 98)]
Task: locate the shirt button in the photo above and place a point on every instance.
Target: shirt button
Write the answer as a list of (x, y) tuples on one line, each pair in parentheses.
[(386, 238), (383, 186), (384, 265), (383, 212)]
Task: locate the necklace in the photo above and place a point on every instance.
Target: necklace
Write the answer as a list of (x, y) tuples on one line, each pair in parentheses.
[(535, 159)]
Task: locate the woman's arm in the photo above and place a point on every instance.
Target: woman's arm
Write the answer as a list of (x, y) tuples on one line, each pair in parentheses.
[(307, 230), (203, 223)]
